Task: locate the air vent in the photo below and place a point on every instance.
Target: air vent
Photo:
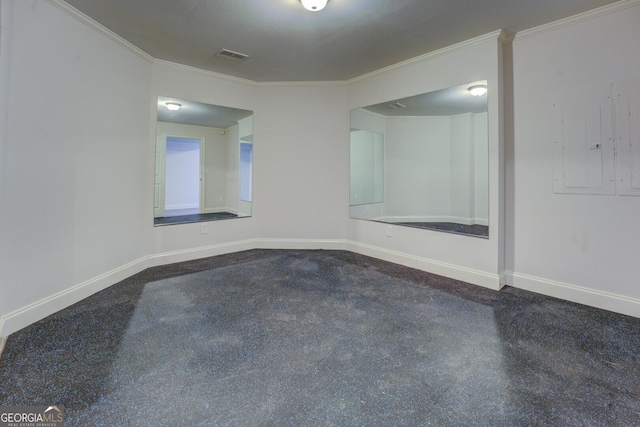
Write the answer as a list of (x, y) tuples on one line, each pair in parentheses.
[(397, 105), (229, 54)]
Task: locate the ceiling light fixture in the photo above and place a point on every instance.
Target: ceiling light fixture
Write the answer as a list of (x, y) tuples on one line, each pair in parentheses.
[(173, 106), (478, 90), (314, 5), (397, 105)]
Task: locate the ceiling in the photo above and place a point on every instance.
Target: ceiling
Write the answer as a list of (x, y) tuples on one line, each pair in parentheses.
[(444, 102), (285, 42), (200, 114)]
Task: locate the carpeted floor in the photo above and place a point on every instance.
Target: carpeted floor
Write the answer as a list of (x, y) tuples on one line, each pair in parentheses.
[(323, 338)]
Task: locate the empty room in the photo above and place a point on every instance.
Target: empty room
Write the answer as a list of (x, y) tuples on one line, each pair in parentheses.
[(320, 213)]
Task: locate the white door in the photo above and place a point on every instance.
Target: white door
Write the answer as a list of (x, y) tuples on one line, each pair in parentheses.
[(182, 176), (179, 177)]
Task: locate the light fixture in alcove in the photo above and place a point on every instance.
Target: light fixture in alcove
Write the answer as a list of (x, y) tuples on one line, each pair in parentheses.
[(314, 5), (173, 106), (478, 90)]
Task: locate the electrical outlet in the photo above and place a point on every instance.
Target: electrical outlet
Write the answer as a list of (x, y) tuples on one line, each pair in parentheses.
[(204, 228), (389, 231)]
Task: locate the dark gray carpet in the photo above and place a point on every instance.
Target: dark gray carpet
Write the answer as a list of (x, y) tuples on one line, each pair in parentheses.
[(450, 227), (183, 219), (323, 338)]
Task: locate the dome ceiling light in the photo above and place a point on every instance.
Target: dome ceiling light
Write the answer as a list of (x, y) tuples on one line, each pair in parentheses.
[(314, 5), (478, 90), (173, 106)]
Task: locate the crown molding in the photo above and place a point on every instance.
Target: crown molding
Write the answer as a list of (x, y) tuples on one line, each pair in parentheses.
[(96, 26), (188, 68), (302, 83), (494, 35), (505, 37), (101, 29), (576, 19), (500, 35)]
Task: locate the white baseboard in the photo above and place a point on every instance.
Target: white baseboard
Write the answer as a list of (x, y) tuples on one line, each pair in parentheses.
[(476, 277), (310, 244), (481, 221), (183, 206), (199, 252), (213, 210), (18, 319), (594, 298), (242, 245), (25, 316), (415, 218), (3, 341), (221, 209)]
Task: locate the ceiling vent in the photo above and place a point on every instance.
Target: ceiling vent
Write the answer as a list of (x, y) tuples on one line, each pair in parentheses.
[(229, 54)]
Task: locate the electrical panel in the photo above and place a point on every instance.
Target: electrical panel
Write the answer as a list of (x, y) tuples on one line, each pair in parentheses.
[(583, 143), (627, 104)]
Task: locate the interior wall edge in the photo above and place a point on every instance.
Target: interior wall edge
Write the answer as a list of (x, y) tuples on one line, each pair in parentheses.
[(574, 293)]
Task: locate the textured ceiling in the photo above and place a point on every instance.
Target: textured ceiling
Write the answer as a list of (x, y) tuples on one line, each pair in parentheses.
[(285, 42), (444, 102), (199, 114)]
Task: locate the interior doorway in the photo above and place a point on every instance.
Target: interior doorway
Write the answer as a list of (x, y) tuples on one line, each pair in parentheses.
[(183, 176)]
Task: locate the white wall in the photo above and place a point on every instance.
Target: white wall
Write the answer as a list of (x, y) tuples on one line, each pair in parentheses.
[(232, 175), (244, 134), (475, 260), (74, 225), (416, 180), (6, 26), (77, 179), (301, 161), (175, 243), (368, 121), (579, 247), (436, 168), (76, 171), (300, 171), (366, 167), (461, 166), (481, 169)]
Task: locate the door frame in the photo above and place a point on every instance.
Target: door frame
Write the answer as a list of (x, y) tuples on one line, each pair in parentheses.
[(160, 177)]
